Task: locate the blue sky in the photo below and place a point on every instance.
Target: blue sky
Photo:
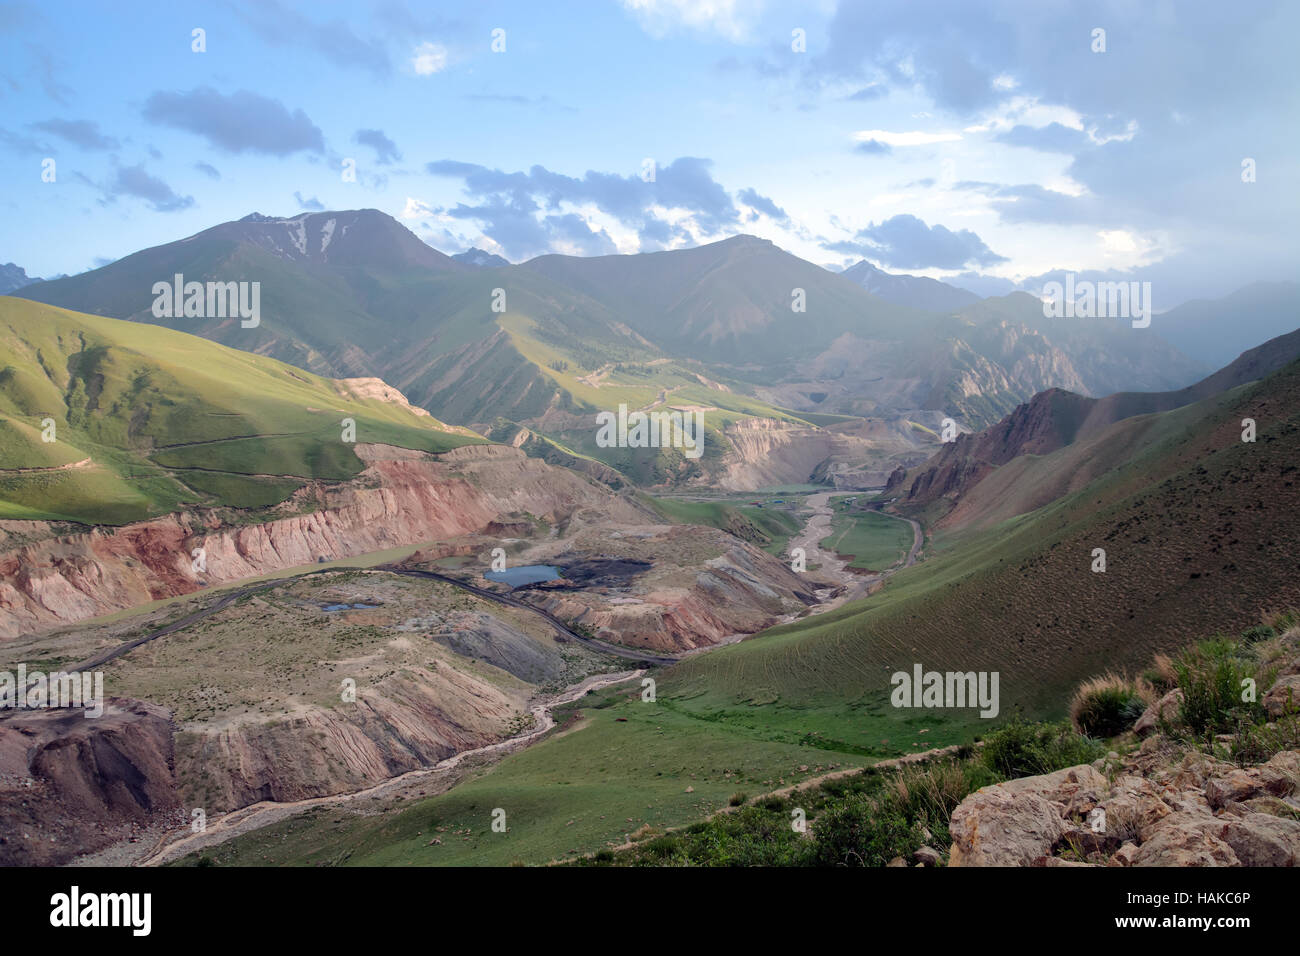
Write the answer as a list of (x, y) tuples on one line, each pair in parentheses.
[(986, 142)]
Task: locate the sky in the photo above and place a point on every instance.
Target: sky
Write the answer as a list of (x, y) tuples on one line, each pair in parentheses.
[(990, 144)]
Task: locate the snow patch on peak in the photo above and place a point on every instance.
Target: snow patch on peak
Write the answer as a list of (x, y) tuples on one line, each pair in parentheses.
[(298, 234), (326, 234)]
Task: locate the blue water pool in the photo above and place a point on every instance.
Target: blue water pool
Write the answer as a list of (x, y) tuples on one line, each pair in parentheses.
[(525, 574)]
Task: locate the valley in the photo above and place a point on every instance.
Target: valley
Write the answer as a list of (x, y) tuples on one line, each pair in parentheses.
[(227, 734), (853, 389), (282, 574)]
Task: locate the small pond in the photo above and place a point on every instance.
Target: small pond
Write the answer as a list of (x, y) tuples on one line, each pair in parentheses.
[(525, 574)]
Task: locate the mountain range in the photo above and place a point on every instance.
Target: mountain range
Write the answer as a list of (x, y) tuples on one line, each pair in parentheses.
[(13, 278), (918, 292), (738, 328)]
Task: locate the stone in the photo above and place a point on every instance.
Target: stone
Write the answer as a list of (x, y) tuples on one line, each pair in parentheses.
[(1124, 855), (927, 856), (1000, 827), (1283, 697), (1232, 788), (1134, 807), (1166, 707), (1185, 839), (1259, 839)]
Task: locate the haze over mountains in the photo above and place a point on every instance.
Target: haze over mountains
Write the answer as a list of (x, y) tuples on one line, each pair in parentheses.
[(738, 325), (481, 258), (14, 277), (179, 436), (1059, 441), (919, 292)]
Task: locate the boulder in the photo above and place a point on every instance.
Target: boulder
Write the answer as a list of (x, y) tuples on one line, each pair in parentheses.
[(1283, 697), (1134, 807), (1233, 787), (1165, 708), (997, 827), (1281, 775), (1058, 861), (927, 856), (1186, 839), (1124, 855), (1087, 841), (1260, 839)]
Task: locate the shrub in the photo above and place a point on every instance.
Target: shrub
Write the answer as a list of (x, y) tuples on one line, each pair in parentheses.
[(1257, 743), (1109, 705), (738, 798), (858, 832), (1260, 632), (1163, 674), (1210, 677), (1282, 620), (1022, 749), (927, 796), (663, 847)]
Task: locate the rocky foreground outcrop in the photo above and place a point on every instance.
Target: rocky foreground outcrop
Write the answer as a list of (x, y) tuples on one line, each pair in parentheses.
[(1160, 806)]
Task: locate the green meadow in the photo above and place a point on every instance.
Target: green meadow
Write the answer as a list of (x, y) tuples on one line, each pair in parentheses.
[(148, 420)]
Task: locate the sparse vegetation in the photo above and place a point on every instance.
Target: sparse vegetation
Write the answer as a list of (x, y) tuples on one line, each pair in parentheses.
[(1024, 749), (1110, 704)]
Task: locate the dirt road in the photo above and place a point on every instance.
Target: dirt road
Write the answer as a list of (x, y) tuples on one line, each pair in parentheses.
[(818, 528), (627, 653), (176, 843)]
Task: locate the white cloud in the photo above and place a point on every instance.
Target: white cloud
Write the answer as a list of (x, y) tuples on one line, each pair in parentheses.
[(1132, 248), (1027, 111), (429, 58), (417, 209), (912, 138), (733, 19), (1101, 139)]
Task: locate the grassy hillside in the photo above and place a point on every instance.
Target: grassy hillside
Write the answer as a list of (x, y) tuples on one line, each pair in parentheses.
[(148, 420), (1201, 533), (766, 527), (730, 302), (873, 540), (549, 342), (621, 765), (1200, 530)]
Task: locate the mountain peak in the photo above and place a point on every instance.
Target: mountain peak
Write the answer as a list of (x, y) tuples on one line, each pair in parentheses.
[(13, 277), (352, 236), (481, 258), (745, 239), (919, 292)]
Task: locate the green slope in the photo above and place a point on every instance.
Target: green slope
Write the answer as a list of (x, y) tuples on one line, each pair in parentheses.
[(1200, 529), (148, 420), (354, 293), (730, 302)]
